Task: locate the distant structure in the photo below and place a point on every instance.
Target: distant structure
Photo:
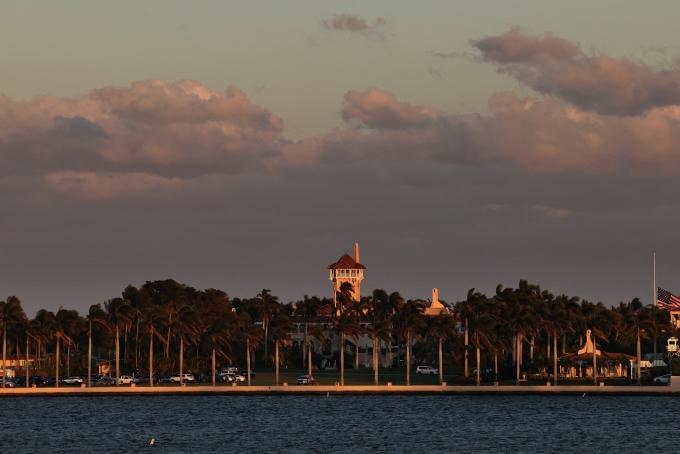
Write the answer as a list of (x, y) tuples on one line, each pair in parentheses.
[(436, 307), (347, 269)]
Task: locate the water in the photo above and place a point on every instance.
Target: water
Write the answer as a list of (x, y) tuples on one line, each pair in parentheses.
[(319, 424)]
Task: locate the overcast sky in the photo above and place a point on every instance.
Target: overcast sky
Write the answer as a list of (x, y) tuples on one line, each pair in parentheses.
[(247, 145)]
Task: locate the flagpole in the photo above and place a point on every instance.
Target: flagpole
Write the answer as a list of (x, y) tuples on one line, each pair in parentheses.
[(655, 302)]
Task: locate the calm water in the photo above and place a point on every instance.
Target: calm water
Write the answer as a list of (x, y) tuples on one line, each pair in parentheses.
[(317, 424)]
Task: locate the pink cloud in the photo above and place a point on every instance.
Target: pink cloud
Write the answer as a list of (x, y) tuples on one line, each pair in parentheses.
[(172, 130), (536, 135), (600, 83)]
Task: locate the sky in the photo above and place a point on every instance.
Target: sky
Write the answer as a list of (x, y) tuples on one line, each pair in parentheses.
[(247, 145)]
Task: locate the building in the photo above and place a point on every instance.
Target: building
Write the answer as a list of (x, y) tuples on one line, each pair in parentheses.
[(347, 269)]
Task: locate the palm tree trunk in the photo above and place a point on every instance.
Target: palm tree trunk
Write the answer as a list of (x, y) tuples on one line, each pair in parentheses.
[(376, 360), (594, 360), (441, 361), (137, 346), (639, 359), (56, 368), (342, 359), (181, 358), (117, 356), (564, 344), (466, 348), (548, 347), (518, 338), (248, 358), (68, 360), (151, 357), (213, 367), (479, 367), (27, 350), (89, 357), (555, 358), (4, 354), (304, 350), (309, 362), (408, 359), (277, 363), (495, 360), (266, 338), (531, 349)]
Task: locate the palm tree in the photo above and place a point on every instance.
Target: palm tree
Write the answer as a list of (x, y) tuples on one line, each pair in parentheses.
[(187, 327), (345, 325), (442, 327), (280, 335), (411, 324), (316, 332), (120, 314), (96, 317), (31, 330), (65, 323), (598, 319), (216, 338), (11, 313), (307, 310), (252, 335), (466, 310), (154, 317), (267, 307), (518, 319), (638, 322), (558, 323), (378, 330)]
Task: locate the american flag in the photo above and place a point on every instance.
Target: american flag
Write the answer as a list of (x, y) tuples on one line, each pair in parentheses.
[(666, 300)]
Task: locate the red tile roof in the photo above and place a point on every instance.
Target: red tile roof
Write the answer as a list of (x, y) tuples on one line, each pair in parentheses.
[(346, 263)]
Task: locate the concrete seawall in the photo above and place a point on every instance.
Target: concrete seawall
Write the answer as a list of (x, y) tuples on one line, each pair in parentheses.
[(344, 390)]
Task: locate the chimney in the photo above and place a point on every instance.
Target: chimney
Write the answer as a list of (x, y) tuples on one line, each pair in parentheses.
[(356, 252)]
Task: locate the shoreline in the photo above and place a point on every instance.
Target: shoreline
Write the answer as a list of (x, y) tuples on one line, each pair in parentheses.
[(346, 390)]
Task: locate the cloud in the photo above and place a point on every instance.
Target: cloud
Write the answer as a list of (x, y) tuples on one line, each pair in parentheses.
[(354, 24), (595, 82), (549, 212), (380, 109), (535, 135), (151, 131)]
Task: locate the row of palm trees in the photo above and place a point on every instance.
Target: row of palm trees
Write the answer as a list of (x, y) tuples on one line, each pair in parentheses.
[(171, 319)]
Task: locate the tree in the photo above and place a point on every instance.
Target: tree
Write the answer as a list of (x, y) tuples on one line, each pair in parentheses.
[(378, 330), (638, 322), (120, 314), (307, 310), (313, 332), (216, 338), (345, 325), (96, 318), (411, 324), (267, 307), (442, 328), (280, 335), (187, 328), (65, 323), (11, 313), (251, 334), (154, 318), (466, 310)]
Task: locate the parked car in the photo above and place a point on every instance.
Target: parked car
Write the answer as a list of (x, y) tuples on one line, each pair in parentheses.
[(9, 382), (104, 381), (305, 380), (245, 374), (125, 380), (36, 380), (234, 377), (200, 377), (663, 379), (229, 370), (185, 378), (144, 379), (426, 370), (73, 380)]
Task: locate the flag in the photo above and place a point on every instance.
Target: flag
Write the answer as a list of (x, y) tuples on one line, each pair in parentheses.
[(666, 300)]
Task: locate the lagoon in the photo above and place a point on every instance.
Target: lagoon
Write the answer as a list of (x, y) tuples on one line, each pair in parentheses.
[(340, 423)]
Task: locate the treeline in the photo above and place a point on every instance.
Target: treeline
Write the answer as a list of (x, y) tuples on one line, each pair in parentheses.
[(164, 326)]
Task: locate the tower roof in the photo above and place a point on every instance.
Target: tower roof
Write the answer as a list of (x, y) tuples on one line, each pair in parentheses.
[(346, 262)]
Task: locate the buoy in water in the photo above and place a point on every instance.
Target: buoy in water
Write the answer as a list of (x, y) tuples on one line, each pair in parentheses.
[(153, 442), (328, 394), (584, 395)]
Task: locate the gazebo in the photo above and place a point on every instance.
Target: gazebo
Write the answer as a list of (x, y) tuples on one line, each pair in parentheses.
[(608, 364)]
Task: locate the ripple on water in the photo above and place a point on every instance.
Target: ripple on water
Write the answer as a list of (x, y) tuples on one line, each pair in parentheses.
[(317, 424)]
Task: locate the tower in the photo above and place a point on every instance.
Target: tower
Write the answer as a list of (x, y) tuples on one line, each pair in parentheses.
[(347, 269)]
